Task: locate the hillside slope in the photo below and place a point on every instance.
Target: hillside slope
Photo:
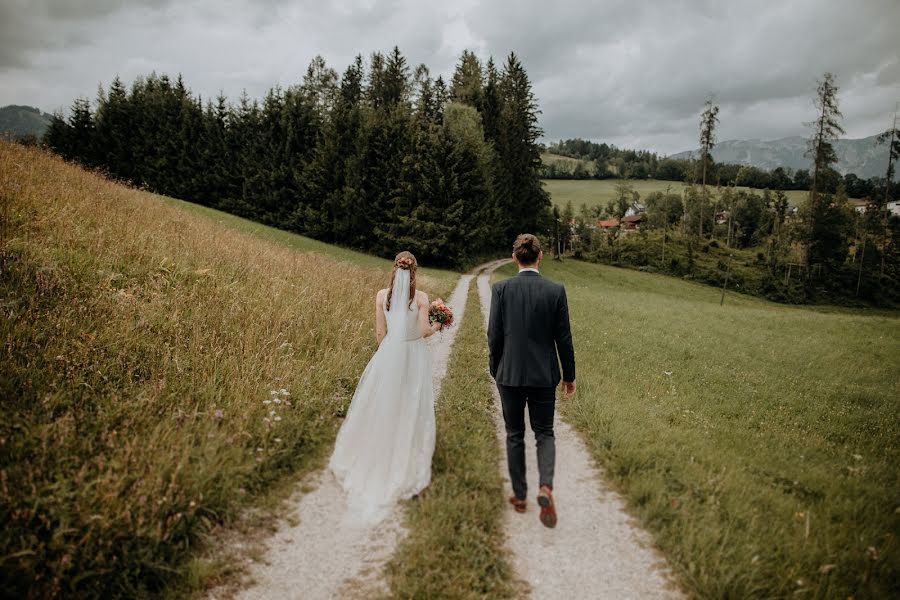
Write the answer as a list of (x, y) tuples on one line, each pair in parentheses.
[(20, 121), (159, 371)]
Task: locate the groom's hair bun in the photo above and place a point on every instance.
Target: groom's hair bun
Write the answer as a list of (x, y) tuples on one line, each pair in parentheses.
[(526, 248)]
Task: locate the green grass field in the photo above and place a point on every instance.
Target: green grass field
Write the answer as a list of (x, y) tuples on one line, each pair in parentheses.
[(757, 442), (598, 192)]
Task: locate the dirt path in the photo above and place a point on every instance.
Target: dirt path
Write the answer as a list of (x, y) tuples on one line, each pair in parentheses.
[(596, 551), (317, 557)]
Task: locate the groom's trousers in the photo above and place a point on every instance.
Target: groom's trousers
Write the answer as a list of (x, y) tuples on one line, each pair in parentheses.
[(541, 403)]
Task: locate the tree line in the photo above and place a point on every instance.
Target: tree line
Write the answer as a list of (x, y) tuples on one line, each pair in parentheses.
[(822, 250), (381, 158), (606, 161)]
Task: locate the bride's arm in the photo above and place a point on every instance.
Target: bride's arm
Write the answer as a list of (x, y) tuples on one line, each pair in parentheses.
[(380, 322), (425, 328)]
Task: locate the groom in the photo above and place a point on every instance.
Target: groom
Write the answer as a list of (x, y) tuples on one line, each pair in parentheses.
[(528, 327)]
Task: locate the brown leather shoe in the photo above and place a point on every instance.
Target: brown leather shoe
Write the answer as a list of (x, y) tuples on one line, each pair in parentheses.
[(519, 504), (548, 507)]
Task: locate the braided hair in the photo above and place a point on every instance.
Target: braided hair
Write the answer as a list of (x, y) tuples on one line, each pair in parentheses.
[(404, 260)]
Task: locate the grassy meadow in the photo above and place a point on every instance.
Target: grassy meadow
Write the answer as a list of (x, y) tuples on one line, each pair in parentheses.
[(757, 442), (163, 366), (598, 192), (455, 548)]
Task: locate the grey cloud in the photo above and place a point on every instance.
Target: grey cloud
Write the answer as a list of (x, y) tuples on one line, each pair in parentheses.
[(635, 74), (29, 26), (663, 60)]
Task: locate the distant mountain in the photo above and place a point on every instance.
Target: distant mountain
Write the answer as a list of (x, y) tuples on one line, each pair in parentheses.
[(23, 120), (862, 157)]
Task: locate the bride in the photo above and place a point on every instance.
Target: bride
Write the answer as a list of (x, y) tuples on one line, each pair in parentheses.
[(384, 447)]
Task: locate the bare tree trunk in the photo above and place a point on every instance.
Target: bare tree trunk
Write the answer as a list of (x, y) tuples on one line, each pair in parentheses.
[(862, 258), (664, 245), (5, 201), (703, 195), (730, 221), (715, 215), (725, 287), (887, 194), (558, 252)]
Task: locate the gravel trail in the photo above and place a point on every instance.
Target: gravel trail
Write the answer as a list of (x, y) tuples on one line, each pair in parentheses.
[(596, 549), (317, 557)]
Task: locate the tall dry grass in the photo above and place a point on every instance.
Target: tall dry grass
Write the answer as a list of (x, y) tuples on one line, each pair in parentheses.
[(158, 371)]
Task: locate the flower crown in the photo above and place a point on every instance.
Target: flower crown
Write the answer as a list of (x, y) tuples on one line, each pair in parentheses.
[(404, 263)]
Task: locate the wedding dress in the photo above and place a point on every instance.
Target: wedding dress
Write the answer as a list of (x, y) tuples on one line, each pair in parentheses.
[(384, 447)]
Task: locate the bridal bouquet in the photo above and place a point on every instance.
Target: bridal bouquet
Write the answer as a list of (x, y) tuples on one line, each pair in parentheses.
[(440, 313)]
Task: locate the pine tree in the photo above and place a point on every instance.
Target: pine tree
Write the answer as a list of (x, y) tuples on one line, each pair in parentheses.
[(216, 179), (492, 104), (708, 121), (826, 129), (320, 86), (82, 140), (387, 141), (333, 177), (248, 148), (113, 123), (466, 85), (522, 202), (58, 136), (892, 136)]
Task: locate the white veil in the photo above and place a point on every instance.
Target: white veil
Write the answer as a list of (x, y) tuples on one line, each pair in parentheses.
[(399, 302)]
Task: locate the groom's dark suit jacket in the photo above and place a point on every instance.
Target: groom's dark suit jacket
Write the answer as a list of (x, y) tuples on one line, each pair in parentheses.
[(528, 326)]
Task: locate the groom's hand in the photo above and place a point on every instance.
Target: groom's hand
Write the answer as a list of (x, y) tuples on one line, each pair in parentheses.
[(568, 389)]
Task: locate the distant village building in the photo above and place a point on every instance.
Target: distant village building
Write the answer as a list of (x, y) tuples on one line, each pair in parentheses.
[(635, 209), (607, 224), (861, 205), (633, 222)]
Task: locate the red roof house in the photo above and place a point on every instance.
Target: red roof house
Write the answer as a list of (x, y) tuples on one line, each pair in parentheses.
[(608, 223)]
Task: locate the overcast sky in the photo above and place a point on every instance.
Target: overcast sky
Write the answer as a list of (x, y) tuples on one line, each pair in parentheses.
[(630, 73)]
